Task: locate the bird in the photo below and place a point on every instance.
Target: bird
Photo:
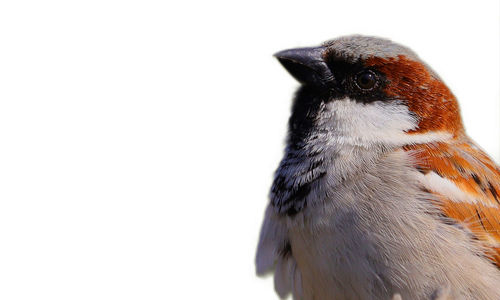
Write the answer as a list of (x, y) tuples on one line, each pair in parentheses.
[(380, 193)]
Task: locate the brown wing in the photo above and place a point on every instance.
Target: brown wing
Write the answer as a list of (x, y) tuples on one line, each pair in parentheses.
[(467, 183)]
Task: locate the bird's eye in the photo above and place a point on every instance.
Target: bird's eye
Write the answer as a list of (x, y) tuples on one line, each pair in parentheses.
[(366, 80)]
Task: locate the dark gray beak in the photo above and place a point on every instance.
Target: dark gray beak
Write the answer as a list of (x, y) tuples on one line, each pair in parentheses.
[(306, 65)]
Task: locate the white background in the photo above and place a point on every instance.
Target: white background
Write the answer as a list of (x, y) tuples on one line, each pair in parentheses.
[(138, 138)]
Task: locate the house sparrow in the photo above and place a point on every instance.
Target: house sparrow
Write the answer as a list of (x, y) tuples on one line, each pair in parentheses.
[(380, 193)]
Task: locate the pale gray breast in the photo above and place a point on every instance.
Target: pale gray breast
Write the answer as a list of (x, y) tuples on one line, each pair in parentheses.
[(378, 233)]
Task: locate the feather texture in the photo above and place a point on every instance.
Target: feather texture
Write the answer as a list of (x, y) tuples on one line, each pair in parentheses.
[(467, 185), (380, 193)]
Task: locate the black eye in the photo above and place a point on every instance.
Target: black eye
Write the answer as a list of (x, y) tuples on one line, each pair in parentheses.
[(366, 80)]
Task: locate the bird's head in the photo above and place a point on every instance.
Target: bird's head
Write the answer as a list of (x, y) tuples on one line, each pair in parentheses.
[(365, 90)]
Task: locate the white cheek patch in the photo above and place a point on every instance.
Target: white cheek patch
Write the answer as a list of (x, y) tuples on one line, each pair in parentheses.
[(377, 122)]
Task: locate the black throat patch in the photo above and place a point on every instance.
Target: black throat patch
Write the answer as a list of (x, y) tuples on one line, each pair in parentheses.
[(301, 166)]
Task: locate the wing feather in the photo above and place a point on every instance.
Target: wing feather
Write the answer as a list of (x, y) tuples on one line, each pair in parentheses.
[(466, 182), (274, 254)]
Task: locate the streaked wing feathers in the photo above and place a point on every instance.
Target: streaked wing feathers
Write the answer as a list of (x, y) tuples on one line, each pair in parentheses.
[(467, 184)]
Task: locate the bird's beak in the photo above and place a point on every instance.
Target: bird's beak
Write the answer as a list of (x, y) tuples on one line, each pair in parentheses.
[(306, 65)]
